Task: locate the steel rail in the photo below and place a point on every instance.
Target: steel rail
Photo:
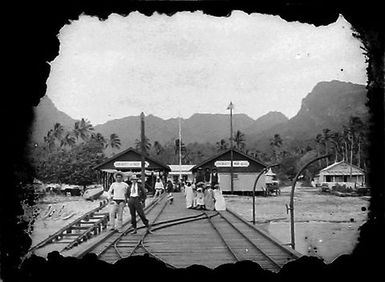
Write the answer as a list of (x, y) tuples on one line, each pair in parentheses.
[(251, 242), (93, 246), (223, 239), (149, 208), (143, 236), (292, 252)]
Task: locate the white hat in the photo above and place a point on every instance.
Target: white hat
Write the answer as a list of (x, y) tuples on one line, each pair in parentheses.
[(134, 177), (118, 173)]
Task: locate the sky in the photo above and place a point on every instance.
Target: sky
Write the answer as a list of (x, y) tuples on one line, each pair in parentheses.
[(171, 66)]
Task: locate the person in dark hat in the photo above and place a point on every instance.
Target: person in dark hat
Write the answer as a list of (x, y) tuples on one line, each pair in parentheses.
[(214, 178), (207, 176), (118, 197), (136, 198), (200, 177)]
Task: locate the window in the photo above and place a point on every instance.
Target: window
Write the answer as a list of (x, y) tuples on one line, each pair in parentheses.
[(328, 178)]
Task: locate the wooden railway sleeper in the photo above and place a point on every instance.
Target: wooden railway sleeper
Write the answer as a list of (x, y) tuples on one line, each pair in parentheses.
[(147, 210)]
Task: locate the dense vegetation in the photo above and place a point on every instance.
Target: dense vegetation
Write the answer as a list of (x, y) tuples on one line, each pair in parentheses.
[(68, 156)]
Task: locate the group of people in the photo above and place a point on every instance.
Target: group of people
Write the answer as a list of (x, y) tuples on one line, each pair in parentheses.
[(133, 194), (204, 192)]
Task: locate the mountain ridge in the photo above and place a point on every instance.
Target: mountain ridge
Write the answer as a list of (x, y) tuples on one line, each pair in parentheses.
[(328, 105)]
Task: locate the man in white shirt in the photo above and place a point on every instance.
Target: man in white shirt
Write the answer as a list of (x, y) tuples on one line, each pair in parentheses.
[(137, 198), (118, 197)]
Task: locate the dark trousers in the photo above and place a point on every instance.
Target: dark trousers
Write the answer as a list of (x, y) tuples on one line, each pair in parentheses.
[(135, 206)]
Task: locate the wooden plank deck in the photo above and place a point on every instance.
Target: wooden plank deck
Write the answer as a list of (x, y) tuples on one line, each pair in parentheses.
[(196, 241)]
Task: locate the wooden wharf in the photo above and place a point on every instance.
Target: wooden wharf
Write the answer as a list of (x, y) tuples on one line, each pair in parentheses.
[(183, 237)]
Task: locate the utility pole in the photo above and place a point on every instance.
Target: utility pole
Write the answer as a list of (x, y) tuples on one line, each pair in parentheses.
[(230, 107), (142, 139)]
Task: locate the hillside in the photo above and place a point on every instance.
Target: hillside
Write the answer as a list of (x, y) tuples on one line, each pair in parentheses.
[(46, 115), (328, 105)]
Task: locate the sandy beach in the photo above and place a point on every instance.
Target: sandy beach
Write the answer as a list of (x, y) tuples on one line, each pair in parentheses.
[(326, 226)]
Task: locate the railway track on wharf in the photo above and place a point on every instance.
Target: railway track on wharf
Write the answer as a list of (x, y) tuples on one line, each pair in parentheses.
[(126, 244), (182, 237), (244, 241), (78, 231)]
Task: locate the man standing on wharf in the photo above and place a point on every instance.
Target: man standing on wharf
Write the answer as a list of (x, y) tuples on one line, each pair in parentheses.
[(117, 195), (137, 196)]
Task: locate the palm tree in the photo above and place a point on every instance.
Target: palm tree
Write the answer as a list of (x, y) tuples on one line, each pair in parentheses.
[(147, 145), (58, 131), (176, 147), (325, 139), (113, 141), (276, 143), (50, 140), (99, 138), (222, 145), (83, 129), (239, 140), (68, 140), (337, 139), (158, 148)]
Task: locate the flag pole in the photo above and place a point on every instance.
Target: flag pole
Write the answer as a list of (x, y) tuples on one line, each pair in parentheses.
[(180, 151), (230, 107)]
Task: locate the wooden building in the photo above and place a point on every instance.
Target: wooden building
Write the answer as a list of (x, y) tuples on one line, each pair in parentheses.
[(128, 161), (341, 173), (182, 170), (245, 171)]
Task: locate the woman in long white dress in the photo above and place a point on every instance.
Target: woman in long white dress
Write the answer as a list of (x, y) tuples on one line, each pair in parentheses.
[(189, 194), (220, 204), (209, 198)]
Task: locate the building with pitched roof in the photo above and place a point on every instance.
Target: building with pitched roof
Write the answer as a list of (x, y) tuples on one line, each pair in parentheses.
[(128, 160), (341, 173), (245, 171)]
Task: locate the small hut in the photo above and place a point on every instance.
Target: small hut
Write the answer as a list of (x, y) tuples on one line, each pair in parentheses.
[(341, 173)]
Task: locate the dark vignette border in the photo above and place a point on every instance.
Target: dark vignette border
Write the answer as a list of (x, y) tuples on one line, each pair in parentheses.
[(31, 35)]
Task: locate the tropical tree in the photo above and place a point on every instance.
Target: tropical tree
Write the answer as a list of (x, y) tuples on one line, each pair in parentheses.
[(58, 131), (336, 139), (158, 148), (72, 167), (176, 147), (147, 145), (222, 145), (113, 141), (319, 142), (326, 139), (98, 137), (83, 129), (68, 140), (239, 140), (49, 140), (276, 143)]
